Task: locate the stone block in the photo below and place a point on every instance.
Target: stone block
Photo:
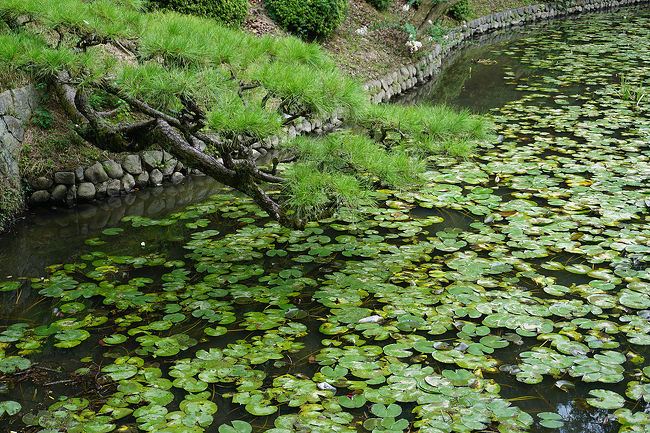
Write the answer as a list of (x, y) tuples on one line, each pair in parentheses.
[(155, 177), (59, 192), (169, 167), (15, 126), (142, 179), (41, 182), (96, 173), (10, 142), (64, 177), (86, 191), (113, 188), (25, 100), (71, 195), (177, 178), (128, 182), (100, 189), (152, 159), (132, 164), (113, 169), (79, 174), (6, 102), (39, 197)]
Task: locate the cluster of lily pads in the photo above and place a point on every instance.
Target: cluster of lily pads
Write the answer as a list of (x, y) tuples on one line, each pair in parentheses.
[(525, 264)]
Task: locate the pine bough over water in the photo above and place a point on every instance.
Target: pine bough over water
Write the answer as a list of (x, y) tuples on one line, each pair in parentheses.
[(130, 79)]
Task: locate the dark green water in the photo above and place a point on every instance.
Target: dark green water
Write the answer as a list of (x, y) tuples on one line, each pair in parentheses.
[(46, 235), (510, 292)]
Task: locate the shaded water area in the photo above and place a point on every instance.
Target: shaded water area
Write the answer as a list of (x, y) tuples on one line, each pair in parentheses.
[(510, 293), (59, 233)]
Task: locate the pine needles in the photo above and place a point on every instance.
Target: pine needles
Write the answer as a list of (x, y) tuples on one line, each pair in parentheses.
[(342, 168)]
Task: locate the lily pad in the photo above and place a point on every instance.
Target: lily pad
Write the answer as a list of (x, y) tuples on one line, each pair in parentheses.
[(605, 399)]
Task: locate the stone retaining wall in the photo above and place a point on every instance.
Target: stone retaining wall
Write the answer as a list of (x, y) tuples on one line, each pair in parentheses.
[(410, 76), (109, 178)]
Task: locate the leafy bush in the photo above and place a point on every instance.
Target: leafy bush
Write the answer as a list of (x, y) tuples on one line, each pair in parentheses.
[(309, 19), (461, 11), (380, 5), (226, 11)]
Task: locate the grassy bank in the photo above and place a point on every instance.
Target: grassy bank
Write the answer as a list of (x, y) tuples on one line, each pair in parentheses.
[(382, 48)]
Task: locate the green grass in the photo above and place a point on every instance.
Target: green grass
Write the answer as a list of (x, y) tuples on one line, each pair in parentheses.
[(629, 91)]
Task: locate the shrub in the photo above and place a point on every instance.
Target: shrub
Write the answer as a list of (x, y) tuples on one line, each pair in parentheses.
[(309, 19), (227, 11), (380, 5), (461, 11)]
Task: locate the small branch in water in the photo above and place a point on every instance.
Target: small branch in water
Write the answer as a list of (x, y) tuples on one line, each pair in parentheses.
[(47, 369), (58, 382)]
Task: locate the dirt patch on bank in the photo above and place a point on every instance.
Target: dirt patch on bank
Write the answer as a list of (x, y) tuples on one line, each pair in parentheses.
[(364, 54), (51, 145)]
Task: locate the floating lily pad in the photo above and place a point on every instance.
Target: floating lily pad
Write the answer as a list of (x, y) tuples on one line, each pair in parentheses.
[(9, 407), (604, 399)]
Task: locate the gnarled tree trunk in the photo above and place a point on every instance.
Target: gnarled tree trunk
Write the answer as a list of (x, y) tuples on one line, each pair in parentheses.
[(429, 12), (231, 163)]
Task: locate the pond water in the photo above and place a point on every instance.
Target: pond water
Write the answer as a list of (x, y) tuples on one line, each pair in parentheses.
[(510, 293)]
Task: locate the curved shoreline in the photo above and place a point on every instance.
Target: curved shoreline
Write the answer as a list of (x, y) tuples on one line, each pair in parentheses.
[(410, 76)]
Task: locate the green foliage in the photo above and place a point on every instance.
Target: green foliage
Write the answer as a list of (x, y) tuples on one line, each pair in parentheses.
[(351, 153), (101, 17), (380, 5), (199, 60), (416, 313), (436, 31), (340, 169), (312, 192), (630, 92), (430, 130), (461, 11), (42, 117), (229, 12), (309, 19), (245, 86), (407, 28)]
